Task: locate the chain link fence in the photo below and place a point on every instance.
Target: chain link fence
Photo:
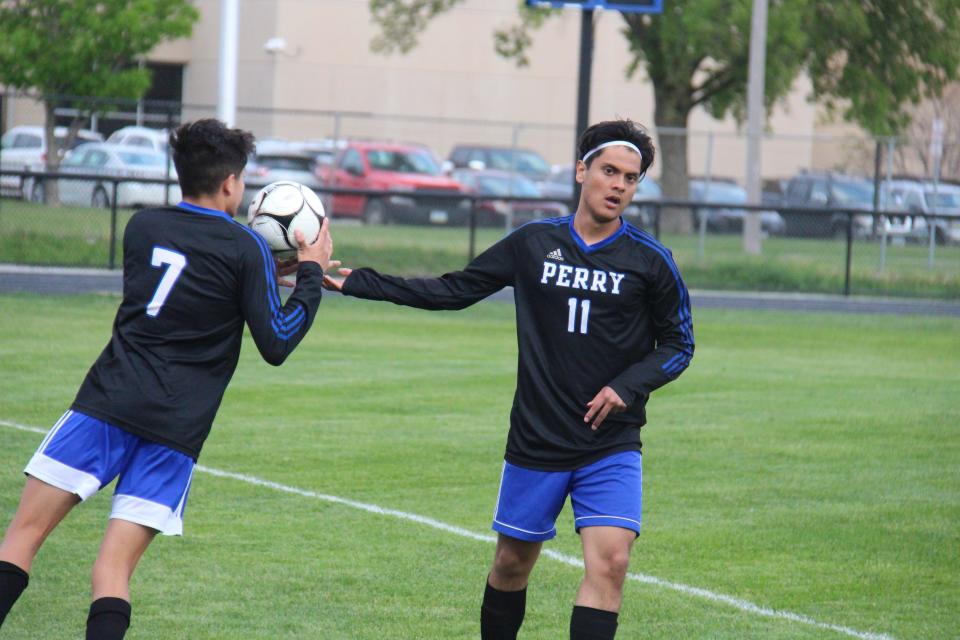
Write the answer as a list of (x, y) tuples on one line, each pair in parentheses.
[(839, 214)]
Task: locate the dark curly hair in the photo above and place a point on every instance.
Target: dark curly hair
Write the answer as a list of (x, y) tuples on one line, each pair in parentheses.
[(610, 130), (206, 152)]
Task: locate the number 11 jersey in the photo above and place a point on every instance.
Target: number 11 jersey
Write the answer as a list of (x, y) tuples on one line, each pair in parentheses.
[(615, 313)]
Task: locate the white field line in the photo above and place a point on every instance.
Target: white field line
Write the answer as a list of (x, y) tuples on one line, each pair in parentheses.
[(572, 561)]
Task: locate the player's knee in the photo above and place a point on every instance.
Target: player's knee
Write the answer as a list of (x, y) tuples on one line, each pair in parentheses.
[(611, 566), (511, 564)]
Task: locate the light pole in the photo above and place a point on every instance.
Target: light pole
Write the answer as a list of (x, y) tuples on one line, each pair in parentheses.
[(227, 75), (755, 120)]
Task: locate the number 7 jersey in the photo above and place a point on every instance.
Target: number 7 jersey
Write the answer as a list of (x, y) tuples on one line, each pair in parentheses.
[(191, 278), (615, 313)]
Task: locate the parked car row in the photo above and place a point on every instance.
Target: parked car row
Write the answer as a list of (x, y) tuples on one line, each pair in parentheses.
[(130, 152), (502, 173), (915, 198), (25, 148), (110, 161), (729, 219), (845, 195)]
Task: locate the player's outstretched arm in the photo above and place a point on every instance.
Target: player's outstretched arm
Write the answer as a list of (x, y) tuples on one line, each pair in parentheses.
[(489, 272), (336, 284)]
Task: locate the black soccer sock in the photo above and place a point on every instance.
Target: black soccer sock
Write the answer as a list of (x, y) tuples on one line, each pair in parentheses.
[(502, 613), (108, 619), (592, 624), (13, 580)]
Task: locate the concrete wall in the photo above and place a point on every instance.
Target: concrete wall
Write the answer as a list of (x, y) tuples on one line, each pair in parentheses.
[(452, 88)]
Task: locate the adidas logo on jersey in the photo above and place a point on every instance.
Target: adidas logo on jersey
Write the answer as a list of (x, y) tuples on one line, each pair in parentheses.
[(555, 255)]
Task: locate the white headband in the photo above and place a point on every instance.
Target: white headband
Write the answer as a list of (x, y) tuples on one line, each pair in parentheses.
[(620, 143)]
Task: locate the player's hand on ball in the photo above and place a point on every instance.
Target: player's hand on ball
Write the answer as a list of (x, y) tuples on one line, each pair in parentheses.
[(285, 268), (336, 284), (318, 251), (602, 405)]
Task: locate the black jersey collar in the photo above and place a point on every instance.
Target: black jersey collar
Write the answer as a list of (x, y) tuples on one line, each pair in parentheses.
[(589, 248)]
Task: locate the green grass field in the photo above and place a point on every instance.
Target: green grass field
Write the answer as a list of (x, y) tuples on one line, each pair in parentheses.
[(805, 464), (37, 234)]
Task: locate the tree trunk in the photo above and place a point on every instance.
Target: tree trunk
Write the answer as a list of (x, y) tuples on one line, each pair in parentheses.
[(671, 113), (51, 192)]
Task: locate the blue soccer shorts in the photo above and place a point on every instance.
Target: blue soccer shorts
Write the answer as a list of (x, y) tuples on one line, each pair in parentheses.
[(81, 454), (606, 493)]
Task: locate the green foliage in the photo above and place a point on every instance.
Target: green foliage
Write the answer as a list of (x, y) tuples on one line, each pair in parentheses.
[(85, 47), (868, 59), (871, 60), (402, 20)]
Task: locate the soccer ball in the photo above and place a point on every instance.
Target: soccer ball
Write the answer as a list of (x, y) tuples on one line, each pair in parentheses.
[(279, 209)]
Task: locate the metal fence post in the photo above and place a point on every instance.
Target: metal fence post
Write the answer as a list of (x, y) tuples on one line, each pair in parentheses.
[(846, 277), (113, 227), (169, 159), (472, 251)]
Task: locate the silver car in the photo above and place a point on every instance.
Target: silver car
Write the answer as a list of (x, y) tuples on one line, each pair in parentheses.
[(111, 161), (25, 147)]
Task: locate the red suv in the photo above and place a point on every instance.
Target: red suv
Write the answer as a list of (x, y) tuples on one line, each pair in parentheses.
[(392, 167)]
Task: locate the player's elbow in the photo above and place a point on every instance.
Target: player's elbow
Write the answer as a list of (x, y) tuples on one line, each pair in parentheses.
[(275, 358)]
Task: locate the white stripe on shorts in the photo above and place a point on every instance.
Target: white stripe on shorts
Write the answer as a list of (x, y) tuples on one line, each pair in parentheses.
[(535, 533), (54, 429), (610, 518), (149, 514), (496, 506), (61, 476), (186, 491)]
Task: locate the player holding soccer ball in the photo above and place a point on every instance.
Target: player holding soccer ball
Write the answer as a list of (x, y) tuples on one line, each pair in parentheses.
[(603, 319), (192, 276)]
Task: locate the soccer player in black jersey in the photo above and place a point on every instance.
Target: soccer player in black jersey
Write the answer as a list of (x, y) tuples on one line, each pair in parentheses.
[(192, 276), (603, 319)]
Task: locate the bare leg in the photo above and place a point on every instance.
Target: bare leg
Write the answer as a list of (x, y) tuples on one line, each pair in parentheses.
[(42, 507), (512, 563), (606, 556), (123, 545), (505, 596)]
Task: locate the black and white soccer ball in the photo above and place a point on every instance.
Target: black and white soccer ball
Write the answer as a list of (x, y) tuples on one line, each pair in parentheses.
[(279, 209)]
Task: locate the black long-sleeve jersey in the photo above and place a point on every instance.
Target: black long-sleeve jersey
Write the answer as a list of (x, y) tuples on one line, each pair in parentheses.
[(191, 277), (614, 314)]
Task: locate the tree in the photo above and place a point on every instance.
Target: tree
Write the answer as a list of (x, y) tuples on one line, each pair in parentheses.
[(78, 51), (868, 60), (913, 153)]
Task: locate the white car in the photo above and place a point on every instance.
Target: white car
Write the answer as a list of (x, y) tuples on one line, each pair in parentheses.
[(25, 147), (112, 161), (915, 198), (142, 137)]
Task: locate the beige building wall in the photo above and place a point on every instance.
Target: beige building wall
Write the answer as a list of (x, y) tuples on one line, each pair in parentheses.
[(452, 88)]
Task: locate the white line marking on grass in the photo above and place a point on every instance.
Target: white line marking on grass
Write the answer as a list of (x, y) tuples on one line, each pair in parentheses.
[(743, 605)]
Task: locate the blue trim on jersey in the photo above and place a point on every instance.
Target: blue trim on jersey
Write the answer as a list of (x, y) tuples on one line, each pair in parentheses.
[(589, 248), (297, 317), (284, 326), (675, 365), (183, 204), (556, 222)]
